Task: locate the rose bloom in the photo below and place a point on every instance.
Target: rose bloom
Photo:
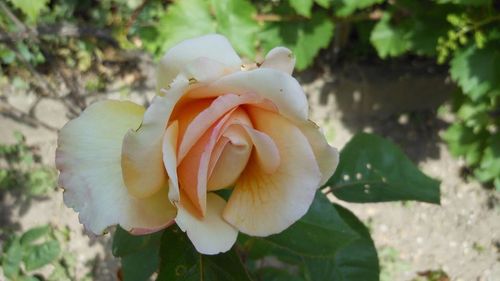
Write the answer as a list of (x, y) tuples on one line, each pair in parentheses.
[(213, 125)]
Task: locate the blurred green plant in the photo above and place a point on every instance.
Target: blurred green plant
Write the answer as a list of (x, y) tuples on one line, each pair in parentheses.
[(391, 263), (38, 254), (21, 173)]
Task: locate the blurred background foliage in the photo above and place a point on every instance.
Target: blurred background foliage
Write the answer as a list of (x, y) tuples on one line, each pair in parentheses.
[(40, 38)]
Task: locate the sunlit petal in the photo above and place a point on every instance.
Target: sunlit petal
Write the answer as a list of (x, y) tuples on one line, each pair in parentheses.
[(267, 154), (211, 234), (226, 165), (280, 58), (142, 160), (326, 155), (213, 46), (88, 157), (200, 124), (170, 160), (278, 87), (263, 204)]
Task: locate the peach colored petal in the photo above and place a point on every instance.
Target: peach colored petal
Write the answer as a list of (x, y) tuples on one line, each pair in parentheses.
[(186, 113), (193, 170), (88, 158), (269, 84), (228, 164), (280, 58), (211, 234), (142, 161), (214, 47), (219, 148), (200, 124), (169, 151), (267, 153), (263, 204), (326, 155), (200, 156)]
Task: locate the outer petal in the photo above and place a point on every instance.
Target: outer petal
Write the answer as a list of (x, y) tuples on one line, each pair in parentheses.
[(326, 155), (211, 234), (88, 157), (280, 58), (271, 84), (205, 70), (212, 46), (263, 204), (142, 161)]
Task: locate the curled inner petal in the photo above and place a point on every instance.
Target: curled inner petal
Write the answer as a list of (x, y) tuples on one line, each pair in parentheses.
[(226, 166), (207, 117)]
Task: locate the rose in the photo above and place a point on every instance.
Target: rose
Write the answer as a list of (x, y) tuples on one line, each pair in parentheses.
[(213, 125)]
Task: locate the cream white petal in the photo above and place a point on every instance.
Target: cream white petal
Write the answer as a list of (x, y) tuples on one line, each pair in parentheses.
[(279, 58), (213, 46), (326, 155), (211, 234), (142, 161), (88, 158)]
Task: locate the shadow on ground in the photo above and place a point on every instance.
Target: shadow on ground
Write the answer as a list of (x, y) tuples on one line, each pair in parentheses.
[(397, 99)]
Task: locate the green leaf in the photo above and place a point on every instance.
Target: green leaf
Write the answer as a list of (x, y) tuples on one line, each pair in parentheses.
[(140, 265), (28, 278), (389, 40), (12, 260), (125, 243), (179, 260), (425, 28), (235, 20), (34, 234), (477, 70), (466, 2), (183, 20), (323, 3), (321, 232), (40, 181), (356, 261), (304, 37), (139, 254), (191, 18), (347, 7), (489, 170), (302, 7), (372, 169), (276, 274), (463, 141), (30, 8), (37, 256)]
